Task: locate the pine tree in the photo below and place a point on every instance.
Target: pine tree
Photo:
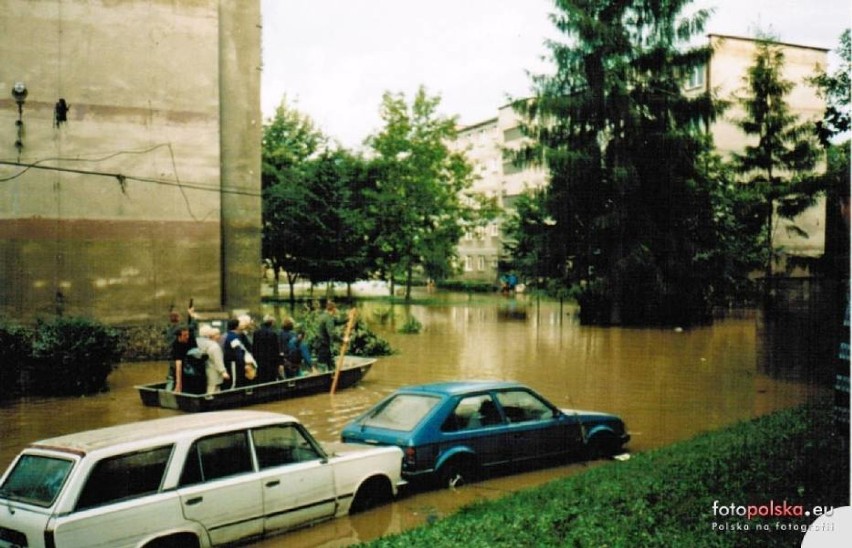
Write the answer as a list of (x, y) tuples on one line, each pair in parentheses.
[(777, 168), (621, 140)]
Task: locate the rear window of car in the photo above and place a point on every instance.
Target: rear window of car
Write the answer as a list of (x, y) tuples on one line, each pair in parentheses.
[(402, 412), (36, 479)]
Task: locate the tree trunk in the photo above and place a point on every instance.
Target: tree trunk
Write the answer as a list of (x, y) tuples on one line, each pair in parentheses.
[(408, 275), (276, 279)]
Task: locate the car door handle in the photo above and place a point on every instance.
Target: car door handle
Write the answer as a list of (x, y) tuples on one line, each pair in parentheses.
[(195, 500), (273, 483)]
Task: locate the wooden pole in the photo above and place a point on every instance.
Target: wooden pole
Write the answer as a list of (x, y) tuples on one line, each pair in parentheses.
[(353, 312)]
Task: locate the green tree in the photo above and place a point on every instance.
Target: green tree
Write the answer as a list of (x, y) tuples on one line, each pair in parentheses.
[(315, 220), (836, 88), (833, 133), (335, 232), (420, 202), (526, 238), (313, 208), (631, 230), (777, 168), (290, 139)]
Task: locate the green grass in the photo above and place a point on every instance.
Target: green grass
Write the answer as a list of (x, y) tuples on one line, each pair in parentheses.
[(665, 497)]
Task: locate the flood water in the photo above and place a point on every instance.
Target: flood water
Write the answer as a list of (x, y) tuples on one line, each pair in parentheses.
[(667, 384)]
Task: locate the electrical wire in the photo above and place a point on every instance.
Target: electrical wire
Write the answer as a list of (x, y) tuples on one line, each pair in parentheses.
[(122, 178)]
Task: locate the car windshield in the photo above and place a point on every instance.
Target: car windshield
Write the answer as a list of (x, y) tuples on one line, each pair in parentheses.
[(402, 412), (36, 479)]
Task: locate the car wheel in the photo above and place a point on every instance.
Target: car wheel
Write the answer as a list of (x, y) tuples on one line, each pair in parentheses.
[(184, 540), (602, 445), (373, 492), (457, 472)]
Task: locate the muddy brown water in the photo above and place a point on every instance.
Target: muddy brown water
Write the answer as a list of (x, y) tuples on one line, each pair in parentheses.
[(667, 384)]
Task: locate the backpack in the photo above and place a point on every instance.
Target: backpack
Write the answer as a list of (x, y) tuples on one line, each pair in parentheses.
[(195, 363)]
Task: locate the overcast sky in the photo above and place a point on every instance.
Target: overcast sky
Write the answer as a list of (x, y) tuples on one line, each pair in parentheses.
[(333, 59)]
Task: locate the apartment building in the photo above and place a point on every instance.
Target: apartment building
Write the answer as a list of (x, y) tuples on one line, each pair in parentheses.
[(486, 141), (488, 145)]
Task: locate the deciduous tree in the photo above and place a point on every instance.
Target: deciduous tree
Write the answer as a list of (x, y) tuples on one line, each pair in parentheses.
[(420, 203)]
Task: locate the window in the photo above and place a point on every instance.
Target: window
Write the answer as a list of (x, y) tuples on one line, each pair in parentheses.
[(696, 77), (125, 476), (510, 168), (473, 412), (217, 457), (36, 480), (480, 263), (402, 412), (512, 134), (468, 263), (282, 444), (521, 406)]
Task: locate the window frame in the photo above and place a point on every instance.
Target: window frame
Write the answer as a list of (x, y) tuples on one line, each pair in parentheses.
[(81, 504)]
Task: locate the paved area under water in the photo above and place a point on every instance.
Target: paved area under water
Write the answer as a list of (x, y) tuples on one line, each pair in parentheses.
[(667, 384)]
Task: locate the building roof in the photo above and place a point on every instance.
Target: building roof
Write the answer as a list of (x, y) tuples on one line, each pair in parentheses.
[(747, 39)]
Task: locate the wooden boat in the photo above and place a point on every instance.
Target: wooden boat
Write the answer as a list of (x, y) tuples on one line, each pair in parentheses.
[(156, 395)]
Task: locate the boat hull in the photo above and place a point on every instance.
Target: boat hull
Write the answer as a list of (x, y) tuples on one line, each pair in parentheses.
[(155, 394)]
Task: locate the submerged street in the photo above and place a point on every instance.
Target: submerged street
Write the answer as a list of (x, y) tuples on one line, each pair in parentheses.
[(667, 384)]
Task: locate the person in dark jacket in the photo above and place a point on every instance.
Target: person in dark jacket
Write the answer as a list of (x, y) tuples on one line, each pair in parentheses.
[(326, 336), (234, 352), (267, 350)]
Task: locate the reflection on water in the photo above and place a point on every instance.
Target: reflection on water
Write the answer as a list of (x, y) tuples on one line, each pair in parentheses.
[(667, 384)]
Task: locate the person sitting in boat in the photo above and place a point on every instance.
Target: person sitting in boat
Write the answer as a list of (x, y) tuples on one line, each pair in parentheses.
[(298, 356), (208, 342), (284, 335)]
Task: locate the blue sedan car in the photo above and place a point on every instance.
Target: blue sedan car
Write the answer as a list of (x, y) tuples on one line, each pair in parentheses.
[(453, 431)]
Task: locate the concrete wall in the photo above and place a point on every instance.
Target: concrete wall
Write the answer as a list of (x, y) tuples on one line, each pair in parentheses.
[(124, 213)]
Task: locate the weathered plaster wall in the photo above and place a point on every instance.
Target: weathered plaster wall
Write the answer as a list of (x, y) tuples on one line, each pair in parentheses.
[(145, 82)]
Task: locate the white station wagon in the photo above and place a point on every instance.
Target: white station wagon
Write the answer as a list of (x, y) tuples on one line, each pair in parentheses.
[(194, 480)]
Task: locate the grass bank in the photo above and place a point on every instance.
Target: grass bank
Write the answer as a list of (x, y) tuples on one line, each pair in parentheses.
[(666, 497)]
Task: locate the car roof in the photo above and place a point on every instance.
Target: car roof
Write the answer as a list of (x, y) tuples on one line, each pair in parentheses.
[(164, 429), (455, 388)]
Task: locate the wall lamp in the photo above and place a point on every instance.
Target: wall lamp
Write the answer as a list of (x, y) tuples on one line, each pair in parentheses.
[(19, 94)]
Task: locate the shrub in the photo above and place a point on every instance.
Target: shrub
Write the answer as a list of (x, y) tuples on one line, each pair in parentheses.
[(15, 344), (144, 343), (73, 356), (362, 341), (411, 326)]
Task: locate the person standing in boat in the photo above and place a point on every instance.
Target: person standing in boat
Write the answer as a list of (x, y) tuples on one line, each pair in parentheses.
[(172, 333), (266, 349), (183, 342), (326, 334), (208, 343), (234, 353)]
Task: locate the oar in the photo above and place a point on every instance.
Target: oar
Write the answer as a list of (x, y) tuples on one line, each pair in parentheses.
[(344, 346)]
